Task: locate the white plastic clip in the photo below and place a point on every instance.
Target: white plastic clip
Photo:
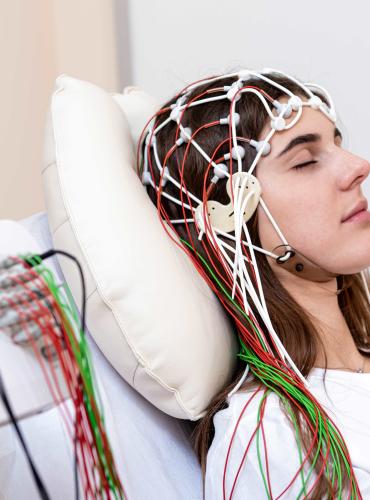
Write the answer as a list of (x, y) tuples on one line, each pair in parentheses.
[(278, 123), (185, 136), (165, 175), (226, 121), (258, 145), (244, 74), (315, 102), (175, 113), (295, 102), (150, 138), (233, 91), (146, 178), (220, 170), (332, 114), (234, 153), (286, 109), (181, 100)]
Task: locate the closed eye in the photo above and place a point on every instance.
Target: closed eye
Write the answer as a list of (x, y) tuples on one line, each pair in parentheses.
[(302, 165)]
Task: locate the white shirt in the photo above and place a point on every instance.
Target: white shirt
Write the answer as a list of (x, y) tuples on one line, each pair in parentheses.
[(347, 404)]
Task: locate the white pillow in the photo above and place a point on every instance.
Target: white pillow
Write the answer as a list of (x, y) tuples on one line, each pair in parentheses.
[(149, 311)]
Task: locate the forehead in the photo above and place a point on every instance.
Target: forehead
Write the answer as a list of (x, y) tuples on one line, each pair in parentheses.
[(310, 121)]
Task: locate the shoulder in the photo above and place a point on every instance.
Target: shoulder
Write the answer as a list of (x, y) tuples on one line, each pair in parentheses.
[(255, 449), (246, 406), (256, 411)]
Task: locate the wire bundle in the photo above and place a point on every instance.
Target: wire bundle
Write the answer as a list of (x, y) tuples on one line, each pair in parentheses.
[(261, 348), (37, 312)]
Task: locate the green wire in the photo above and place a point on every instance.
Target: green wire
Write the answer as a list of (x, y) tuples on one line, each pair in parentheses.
[(226, 293), (258, 446), (268, 373), (83, 359), (334, 438)]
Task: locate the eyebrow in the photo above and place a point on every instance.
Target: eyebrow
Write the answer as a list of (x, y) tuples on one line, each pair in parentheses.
[(305, 139)]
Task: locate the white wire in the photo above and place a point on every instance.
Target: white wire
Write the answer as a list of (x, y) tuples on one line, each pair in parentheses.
[(272, 220), (253, 258), (202, 101), (210, 80), (244, 271), (259, 153), (325, 92), (263, 313), (295, 119), (250, 287), (238, 270), (199, 148), (170, 178), (229, 261), (215, 243), (243, 377), (161, 125), (262, 99), (179, 221), (271, 82), (166, 195), (233, 125), (238, 225), (231, 237), (232, 249), (262, 309), (303, 87)]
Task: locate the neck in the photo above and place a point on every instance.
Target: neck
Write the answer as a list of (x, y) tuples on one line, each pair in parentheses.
[(320, 301)]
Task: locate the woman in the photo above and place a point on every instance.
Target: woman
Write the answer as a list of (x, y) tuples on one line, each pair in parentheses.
[(288, 271)]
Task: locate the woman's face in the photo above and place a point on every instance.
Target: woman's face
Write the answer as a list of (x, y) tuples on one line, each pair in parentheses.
[(310, 203)]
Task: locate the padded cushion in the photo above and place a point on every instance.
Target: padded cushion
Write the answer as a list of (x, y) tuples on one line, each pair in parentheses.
[(152, 315)]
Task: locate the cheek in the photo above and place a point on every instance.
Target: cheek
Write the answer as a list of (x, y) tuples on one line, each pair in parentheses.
[(305, 218)]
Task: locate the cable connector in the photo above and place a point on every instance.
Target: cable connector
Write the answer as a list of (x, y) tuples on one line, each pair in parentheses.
[(258, 145), (278, 123), (237, 151), (226, 121), (295, 102), (315, 102), (185, 136), (283, 109)]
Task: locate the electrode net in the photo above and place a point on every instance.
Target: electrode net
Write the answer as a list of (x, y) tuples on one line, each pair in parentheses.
[(224, 228)]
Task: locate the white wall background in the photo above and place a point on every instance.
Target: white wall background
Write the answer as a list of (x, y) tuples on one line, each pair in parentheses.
[(173, 43), (40, 39), (162, 45)]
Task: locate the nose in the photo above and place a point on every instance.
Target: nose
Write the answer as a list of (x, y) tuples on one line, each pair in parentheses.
[(354, 170)]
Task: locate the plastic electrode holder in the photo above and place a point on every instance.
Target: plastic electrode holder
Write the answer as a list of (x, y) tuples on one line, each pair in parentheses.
[(232, 93), (221, 170), (175, 114), (315, 102), (258, 145), (278, 123), (295, 102)]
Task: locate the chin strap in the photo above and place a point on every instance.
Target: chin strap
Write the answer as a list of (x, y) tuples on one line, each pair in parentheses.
[(296, 263)]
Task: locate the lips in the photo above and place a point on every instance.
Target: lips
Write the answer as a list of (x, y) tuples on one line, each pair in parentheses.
[(359, 207)]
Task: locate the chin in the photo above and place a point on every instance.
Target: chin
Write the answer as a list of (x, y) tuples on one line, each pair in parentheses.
[(352, 268)]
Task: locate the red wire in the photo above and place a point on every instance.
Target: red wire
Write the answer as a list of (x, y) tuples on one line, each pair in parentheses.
[(82, 420), (231, 441), (249, 443), (265, 447), (245, 334)]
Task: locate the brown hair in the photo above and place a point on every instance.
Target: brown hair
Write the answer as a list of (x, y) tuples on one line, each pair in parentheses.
[(291, 322)]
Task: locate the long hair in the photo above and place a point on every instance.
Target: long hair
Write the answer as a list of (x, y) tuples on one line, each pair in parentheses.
[(292, 323)]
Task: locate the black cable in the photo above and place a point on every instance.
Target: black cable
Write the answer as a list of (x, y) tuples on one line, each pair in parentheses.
[(44, 256), (40, 485), (52, 252)]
